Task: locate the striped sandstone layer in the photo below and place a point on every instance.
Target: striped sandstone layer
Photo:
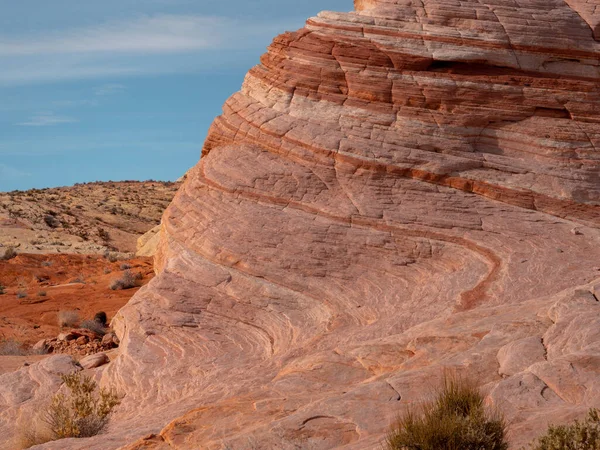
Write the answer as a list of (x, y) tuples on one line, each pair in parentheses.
[(398, 191)]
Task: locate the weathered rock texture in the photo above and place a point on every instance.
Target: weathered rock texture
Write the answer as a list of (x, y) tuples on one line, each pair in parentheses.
[(24, 395), (148, 242), (406, 189)]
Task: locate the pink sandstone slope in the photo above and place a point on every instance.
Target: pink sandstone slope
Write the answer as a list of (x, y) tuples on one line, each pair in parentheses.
[(410, 188)]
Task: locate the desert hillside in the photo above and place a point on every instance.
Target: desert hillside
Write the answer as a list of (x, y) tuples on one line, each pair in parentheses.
[(36, 288), (61, 250), (88, 218), (396, 192)]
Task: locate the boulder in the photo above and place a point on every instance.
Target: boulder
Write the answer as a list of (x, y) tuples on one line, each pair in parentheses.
[(148, 242), (110, 339), (41, 346), (67, 336), (23, 394), (95, 360), (517, 356)]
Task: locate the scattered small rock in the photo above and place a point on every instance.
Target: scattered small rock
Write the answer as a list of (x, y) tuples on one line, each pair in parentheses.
[(79, 342), (40, 346), (96, 360), (66, 336), (110, 340)]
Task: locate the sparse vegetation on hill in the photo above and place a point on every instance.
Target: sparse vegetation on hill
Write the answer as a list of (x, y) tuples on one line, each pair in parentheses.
[(94, 326), (455, 420), (9, 253), (584, 435), (127, 281), (36, 316), (85, 218), (83, 412), (10, 347), (67, 318)]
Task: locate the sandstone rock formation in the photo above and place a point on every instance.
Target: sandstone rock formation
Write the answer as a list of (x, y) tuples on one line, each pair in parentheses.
[(24, 391), (392, 194), (147, 243), (95, 360)]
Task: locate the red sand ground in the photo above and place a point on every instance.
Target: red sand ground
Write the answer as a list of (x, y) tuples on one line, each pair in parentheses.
[(71, 282)]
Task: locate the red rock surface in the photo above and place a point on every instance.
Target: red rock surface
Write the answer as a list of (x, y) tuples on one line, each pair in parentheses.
[(54, 283), (410, 188)]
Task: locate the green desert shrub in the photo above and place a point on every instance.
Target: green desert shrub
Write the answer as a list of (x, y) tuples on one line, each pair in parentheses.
[(94, 326), (9, 253), (456, 419), (83, 412), (101, 318), (103, 234), (583, 435), (67, 318), (10, 347), (112, 257), (127, 281)]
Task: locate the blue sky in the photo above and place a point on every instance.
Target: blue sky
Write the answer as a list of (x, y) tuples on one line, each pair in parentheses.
[(124, 89)]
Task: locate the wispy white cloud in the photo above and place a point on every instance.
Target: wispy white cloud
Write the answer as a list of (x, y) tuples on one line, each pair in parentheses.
[(47, 118), (74, 103), (40, 72), (143, 46), (157, 34), (9, 172), (109, 89)]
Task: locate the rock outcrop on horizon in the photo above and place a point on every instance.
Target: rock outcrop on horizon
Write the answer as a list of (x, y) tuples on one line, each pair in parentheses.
[(395, 192)]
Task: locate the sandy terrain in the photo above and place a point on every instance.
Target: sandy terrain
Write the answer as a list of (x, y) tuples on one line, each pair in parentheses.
[(52, 283), (86, 218)]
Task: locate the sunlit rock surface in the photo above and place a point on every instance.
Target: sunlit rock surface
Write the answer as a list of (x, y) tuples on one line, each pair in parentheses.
[(395, 192)]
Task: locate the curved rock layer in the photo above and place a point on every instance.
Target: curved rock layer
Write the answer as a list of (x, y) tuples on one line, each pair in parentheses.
[(410, 188)]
